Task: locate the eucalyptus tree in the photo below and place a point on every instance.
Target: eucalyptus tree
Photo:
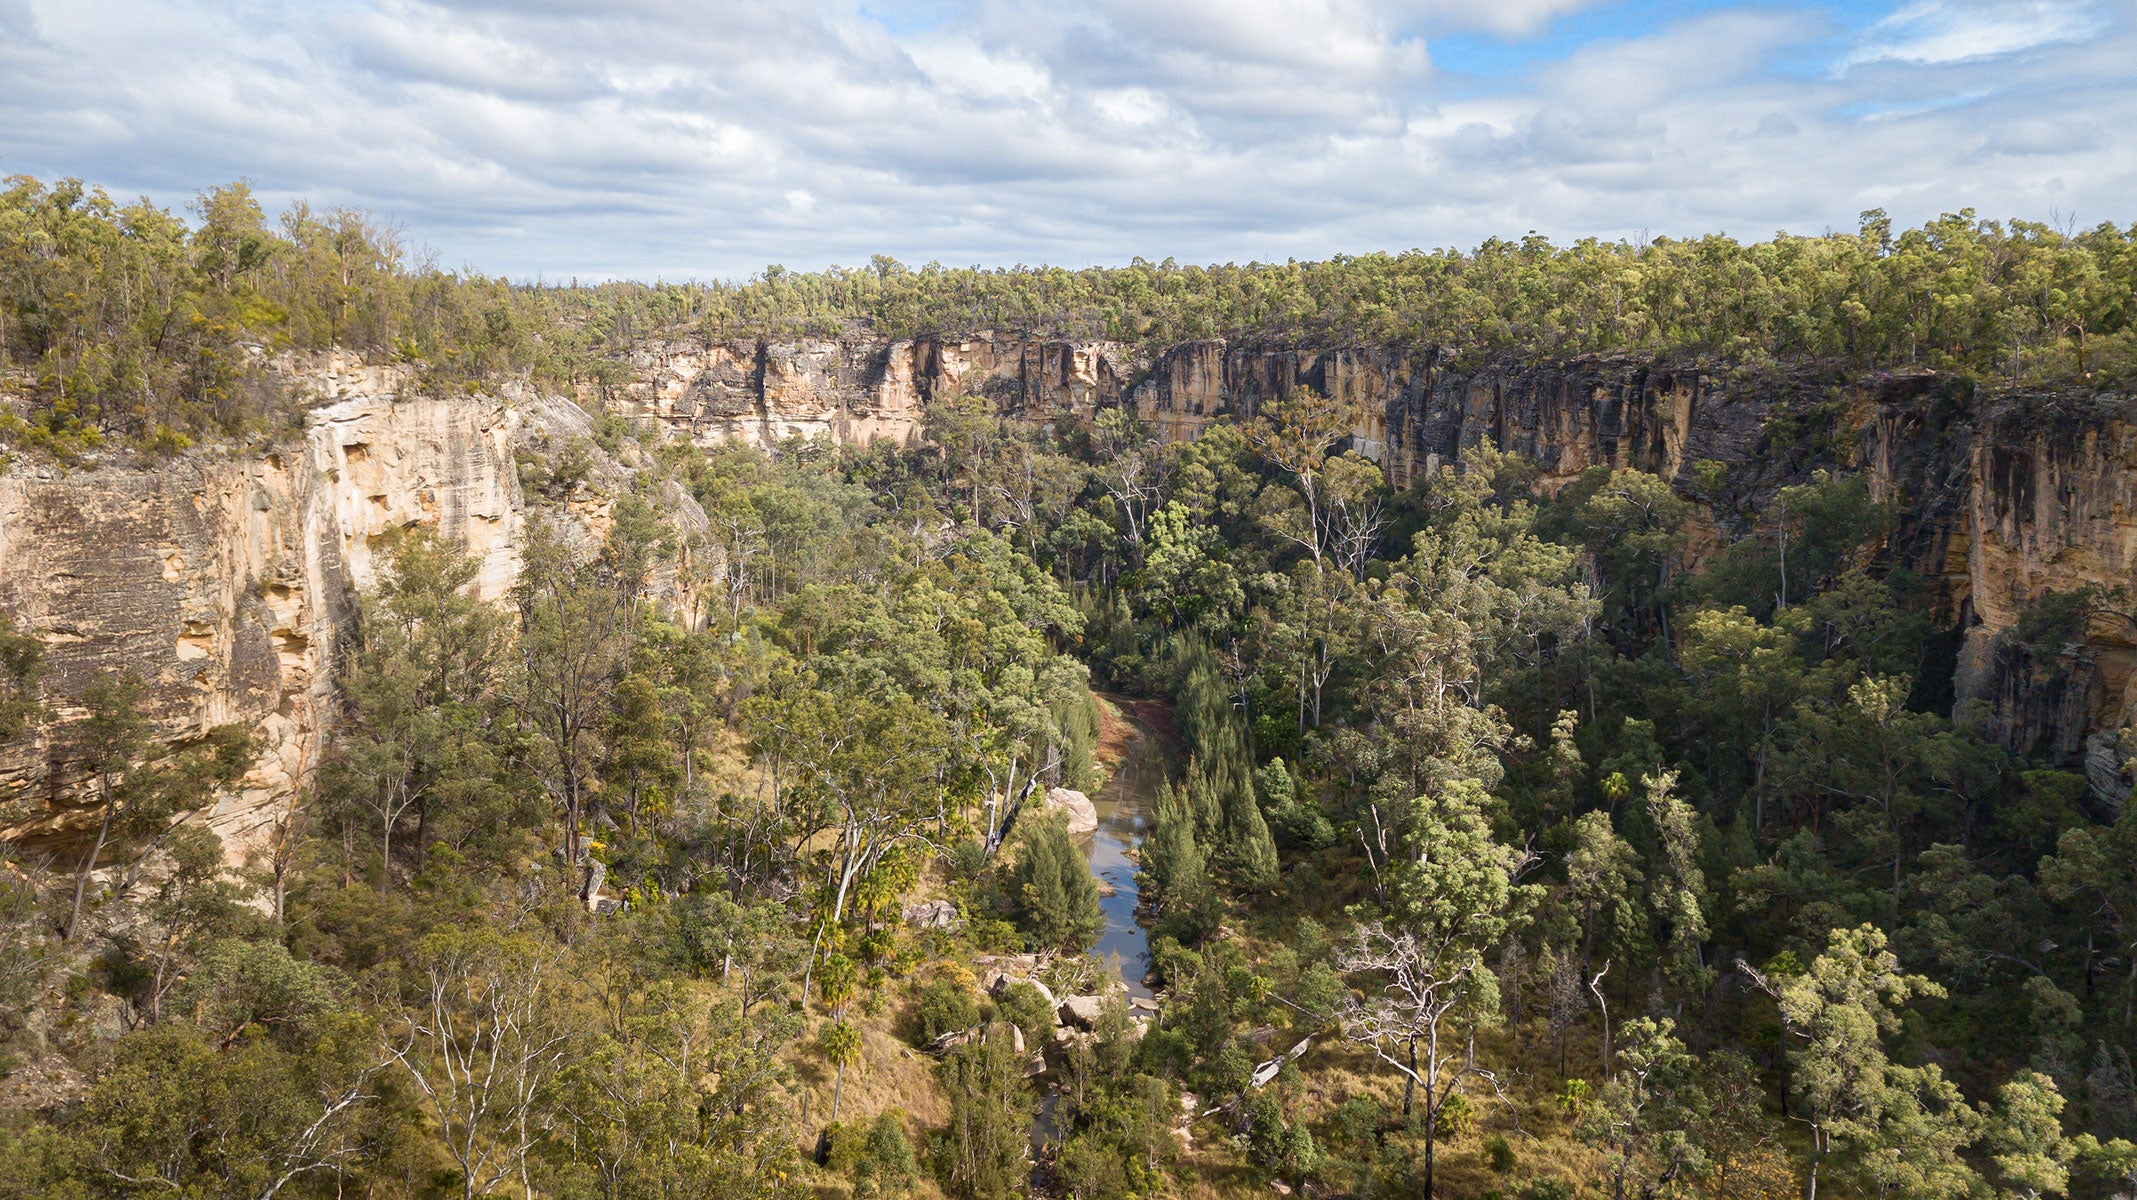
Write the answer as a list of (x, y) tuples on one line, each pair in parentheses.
[(862, 770), (2094, 873), (1132, 472), (1295, 435), (2024, 1137), (575, 624), (1898, 1129), (479, 1034), (1454, 896), (421, 729), (1645, 1115), (1677, 887), (689, 1098)]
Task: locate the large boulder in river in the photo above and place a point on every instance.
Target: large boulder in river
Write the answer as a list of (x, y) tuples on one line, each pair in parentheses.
[(1082, 814)]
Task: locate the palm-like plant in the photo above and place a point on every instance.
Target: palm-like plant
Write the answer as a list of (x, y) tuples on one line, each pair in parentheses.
[(841, 1043)]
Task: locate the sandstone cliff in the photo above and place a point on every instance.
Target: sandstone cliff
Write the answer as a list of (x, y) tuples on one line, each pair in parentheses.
[(765, 392), (1417, 414), (2002, 499), (227, 580)]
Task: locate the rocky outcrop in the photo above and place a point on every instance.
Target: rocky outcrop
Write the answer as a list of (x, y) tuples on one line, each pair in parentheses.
[(1084, 1012), (931, 914), (853, 391), (228, 580), (1416, 411), (2052, 508)]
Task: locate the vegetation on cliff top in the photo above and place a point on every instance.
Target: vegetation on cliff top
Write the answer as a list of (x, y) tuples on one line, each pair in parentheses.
[(130, 322)]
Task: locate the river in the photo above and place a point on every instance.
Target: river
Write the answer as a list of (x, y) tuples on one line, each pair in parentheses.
[(1125, 806)]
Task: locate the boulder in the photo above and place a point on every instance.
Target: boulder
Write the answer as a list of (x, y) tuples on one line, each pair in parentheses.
[(1001, 984), (1082, 1011), (931, 914), (952, 1040), (1082, 814), (1020, 964)]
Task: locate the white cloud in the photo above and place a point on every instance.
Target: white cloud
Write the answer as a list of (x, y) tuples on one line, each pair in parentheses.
[(1948, 31), (681, 137), (1512, 17)]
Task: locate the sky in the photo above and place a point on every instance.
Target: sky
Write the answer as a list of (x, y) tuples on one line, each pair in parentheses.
[(702, 139)]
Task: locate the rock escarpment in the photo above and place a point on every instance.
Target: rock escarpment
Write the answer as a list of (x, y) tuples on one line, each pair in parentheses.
[(855, 391), (1417, 412), (2052, 507), (2001, 499), (227, 580)]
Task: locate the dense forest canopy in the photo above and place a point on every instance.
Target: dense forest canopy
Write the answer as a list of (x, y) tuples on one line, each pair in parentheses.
[(1498, 853), (131, 321)]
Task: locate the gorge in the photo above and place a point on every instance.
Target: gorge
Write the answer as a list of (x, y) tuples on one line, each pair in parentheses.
[(227, 576)]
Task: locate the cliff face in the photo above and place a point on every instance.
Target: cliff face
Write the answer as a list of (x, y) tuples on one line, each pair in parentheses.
[(2052, 507), (2001, 501), (227, 581), (762, 393), (1416, 414)]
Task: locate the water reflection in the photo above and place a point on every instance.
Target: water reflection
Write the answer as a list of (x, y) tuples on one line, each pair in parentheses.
[(1124, 807)]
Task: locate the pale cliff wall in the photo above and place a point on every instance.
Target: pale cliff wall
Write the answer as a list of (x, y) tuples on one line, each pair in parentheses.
[(2052, 506), (227, 581), (1416, 414), (762, 393)]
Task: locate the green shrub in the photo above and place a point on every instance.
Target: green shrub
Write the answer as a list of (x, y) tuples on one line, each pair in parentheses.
[(1544, 1187), (944, 1006), (1025, 1006), (886, 1165), (1499, 1154)]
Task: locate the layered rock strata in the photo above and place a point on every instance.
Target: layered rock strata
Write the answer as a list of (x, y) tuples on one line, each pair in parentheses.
[(227, 581)]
